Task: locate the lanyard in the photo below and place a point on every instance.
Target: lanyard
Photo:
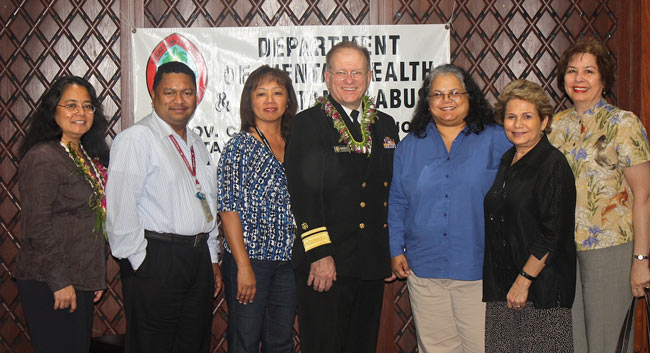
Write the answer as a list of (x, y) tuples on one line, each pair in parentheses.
[(191, 168), (266, 142)]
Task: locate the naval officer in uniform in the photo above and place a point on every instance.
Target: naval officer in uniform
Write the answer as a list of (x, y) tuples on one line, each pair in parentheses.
[(339, 165)]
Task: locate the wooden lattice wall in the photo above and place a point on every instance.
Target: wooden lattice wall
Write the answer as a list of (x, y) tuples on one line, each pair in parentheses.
[(497, 40)]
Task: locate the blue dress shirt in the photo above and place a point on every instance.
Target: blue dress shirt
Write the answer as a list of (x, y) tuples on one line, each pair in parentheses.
[(435, 212)]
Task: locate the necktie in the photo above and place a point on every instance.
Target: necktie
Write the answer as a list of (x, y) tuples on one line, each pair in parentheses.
[(355, 119)]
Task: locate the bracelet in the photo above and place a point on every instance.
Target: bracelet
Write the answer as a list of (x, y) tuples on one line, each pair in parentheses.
[(526, 275)]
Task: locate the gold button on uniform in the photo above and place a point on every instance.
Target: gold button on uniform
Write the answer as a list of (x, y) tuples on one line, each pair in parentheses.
[(363, 185), (361, 225), (385, 225), (362, 204), (385, 184), (385, 203)]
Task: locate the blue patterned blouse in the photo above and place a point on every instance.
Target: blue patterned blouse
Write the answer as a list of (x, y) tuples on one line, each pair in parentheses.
[(252, 182)]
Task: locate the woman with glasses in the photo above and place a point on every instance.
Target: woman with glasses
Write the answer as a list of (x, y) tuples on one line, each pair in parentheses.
[(61, 266), (442, 171)]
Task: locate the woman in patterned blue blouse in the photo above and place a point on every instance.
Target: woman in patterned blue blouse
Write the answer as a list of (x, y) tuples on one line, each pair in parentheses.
[(254, 206)]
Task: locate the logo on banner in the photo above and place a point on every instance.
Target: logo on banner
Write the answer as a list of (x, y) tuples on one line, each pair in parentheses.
[(178, 48)]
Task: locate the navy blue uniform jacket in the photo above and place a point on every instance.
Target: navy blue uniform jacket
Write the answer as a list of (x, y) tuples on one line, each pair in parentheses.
[(340, 199)]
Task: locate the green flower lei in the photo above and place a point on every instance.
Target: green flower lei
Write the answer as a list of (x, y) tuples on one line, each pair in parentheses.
[(367, 118), (97, 180)]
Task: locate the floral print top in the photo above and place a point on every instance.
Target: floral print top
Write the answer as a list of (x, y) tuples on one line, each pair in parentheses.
[(598, 147)]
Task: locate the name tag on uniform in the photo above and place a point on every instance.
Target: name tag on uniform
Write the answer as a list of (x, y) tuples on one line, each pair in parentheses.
[(389, 143), (342, 149)]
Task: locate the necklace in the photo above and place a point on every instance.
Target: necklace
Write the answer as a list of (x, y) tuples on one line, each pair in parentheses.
[(367, 118), (95, 174)]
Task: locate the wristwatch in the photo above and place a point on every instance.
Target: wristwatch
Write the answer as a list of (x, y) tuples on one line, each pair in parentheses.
[(641, 257)]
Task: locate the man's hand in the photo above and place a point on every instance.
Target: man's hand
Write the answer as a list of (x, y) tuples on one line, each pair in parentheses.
[(322, 274), (218, 283), (65, 298), (400, 266)]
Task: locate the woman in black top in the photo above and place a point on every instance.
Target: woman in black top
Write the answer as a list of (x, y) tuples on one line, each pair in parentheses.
[(529, 266)]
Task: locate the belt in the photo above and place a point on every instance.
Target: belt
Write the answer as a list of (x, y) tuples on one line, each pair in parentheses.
[(191, 240)]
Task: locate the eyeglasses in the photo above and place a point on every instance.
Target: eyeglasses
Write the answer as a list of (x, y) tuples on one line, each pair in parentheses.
[(342, 75), (453, 95), (74, 107)]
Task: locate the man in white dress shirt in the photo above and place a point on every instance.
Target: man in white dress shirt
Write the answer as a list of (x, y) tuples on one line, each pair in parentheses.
[(161, 222)]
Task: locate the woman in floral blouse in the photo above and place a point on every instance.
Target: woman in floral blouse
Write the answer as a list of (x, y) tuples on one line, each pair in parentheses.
[(607, 149), (254, 206)]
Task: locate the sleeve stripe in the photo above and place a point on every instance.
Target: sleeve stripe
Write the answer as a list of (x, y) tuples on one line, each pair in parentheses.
[(313, 231), (316, 241)]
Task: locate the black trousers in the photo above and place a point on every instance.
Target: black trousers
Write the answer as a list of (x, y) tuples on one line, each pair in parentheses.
[(56, 331), (344, 319), (168, 300)]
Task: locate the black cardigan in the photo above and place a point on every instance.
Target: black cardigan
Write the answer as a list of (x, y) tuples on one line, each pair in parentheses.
[(530, 210)]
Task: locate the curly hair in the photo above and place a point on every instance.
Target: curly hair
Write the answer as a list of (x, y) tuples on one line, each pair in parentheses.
[(529, 92), (260, 75), (480, 111), (606, 64), (43, 127)]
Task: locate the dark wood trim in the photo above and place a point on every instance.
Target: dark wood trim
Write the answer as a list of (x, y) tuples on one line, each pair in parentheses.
[(628, 39), (639, 14), (132, 17), (381, 12), (645, 63)]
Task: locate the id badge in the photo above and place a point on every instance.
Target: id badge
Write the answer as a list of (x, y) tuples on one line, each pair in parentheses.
[(206, 208)]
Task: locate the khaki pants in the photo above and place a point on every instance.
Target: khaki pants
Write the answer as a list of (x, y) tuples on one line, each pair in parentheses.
[(449, 315)]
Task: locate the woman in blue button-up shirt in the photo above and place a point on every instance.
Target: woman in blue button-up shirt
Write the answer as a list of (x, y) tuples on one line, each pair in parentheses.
[(442, 171)]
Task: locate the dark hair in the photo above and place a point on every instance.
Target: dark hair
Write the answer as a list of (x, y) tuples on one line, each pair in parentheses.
[(261, 74), (43, 127), (527, 91), (175, 67), (480, 112), (606, 64), (346, 44)]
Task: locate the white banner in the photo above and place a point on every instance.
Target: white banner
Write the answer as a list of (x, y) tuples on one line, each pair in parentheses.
[(223, 58)]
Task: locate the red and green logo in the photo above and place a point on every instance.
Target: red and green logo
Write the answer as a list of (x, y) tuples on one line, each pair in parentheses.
[(178, 48)]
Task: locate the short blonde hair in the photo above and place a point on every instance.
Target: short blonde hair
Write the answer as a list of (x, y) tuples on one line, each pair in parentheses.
[(528, 91)]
